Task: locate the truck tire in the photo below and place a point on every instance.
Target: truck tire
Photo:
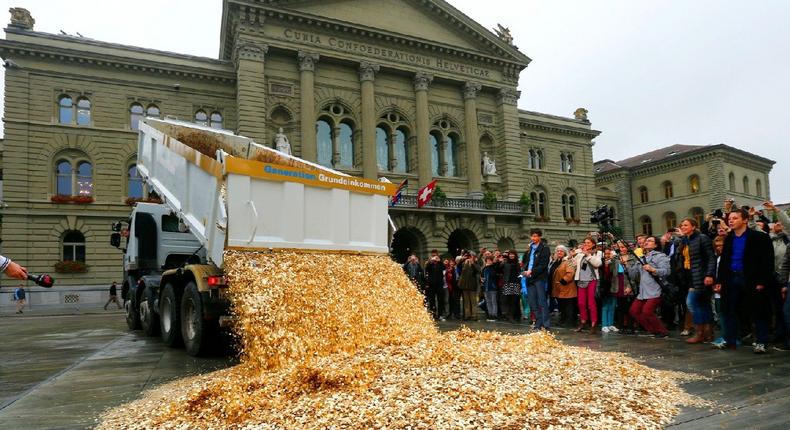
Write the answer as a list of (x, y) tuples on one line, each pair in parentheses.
[(169, 316), (148, 319), (193, 328), (132, 316)]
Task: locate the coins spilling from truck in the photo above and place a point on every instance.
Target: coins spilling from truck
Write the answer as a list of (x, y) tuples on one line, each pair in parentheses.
[(344, 341)]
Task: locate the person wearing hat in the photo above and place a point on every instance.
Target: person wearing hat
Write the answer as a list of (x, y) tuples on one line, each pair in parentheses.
[(563, 287)]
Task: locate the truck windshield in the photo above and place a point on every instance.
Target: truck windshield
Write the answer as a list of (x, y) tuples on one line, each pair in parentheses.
[(170, 224)]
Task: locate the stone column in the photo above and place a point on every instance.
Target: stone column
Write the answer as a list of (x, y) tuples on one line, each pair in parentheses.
[(250, 89), (473, 169), (309, 146), (509, 144), (367, 74), (422, 81)]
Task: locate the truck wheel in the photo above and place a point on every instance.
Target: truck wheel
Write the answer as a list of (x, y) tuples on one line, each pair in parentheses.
[(169, 316), (148, 319), (132, 317), (193, 328)]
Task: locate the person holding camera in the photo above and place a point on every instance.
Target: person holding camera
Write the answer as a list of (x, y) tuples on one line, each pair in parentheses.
[(746, 275), (650, 269), (587, 261)]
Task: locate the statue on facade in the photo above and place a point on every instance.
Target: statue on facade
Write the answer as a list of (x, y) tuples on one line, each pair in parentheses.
[(20, 17), (580, 114), (503, 33), (489, 167), (281, 142)]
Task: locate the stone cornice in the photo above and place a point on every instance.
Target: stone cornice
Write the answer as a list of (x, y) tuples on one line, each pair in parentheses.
[(557, 128), (120, 61), (514, 64)]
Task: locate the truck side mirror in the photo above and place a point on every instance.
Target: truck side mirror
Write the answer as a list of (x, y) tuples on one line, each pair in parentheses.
[(115, 240)]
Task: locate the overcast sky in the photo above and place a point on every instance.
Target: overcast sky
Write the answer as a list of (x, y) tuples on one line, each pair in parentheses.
[(652, 73)]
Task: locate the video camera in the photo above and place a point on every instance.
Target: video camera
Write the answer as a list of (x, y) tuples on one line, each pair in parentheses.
[(604, 217)]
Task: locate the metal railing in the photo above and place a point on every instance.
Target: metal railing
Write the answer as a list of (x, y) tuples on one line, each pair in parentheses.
[(463, 205)]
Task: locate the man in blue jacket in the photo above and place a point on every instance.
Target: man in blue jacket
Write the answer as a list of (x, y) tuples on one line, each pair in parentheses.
[(535, 265)]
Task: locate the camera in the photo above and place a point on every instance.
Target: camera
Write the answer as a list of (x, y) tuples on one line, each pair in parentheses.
[(603, 216), (718, 213)]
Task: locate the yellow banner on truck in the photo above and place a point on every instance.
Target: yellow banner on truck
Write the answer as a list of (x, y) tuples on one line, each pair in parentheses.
[(318, 178)]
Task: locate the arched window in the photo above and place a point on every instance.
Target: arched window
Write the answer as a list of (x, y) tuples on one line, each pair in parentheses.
[(647, 225), (643, 195), (215, 121), (451, 155), (134, 183), (324, 140), (152, 111), (538, 198), (569, 211), (346, 145), (758, 185), (73, 175), (135, 115), (84, 179), (668, 191), (698, 214), (382, 149), (694, 185), (63, 181), (83, 111), (73, 246), (732, 181), (435, 154), (201, 118), (65, 110), (670, 220), (401, 152), (746, 185)]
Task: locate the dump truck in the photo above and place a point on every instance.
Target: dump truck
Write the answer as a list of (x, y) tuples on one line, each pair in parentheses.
[(219, 191)]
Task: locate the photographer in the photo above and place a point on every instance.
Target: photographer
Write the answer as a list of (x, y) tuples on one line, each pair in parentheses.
[(587, 261), (653, 266), (12, 269)]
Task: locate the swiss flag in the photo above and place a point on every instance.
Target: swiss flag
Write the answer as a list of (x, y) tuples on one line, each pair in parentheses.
[(425, 194)]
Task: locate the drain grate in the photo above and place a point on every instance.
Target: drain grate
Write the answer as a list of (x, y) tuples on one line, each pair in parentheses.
[(71, 298)]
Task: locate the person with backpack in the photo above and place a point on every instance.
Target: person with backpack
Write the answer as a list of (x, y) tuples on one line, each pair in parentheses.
[(19, 297)]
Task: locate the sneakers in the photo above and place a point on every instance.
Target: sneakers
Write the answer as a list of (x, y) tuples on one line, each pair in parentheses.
[(661, 335), (605, 330), (442, 319), (613, 329), (719, 341), (685, 333), (759, 348)]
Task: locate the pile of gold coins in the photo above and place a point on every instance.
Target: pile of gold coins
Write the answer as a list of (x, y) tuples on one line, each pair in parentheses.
[(333, 340)]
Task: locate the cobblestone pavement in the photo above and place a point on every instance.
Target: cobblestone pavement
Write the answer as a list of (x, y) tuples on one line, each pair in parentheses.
[(60, 372)]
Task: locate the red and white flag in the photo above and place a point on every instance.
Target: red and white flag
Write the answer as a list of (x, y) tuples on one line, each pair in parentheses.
[(425, 194)]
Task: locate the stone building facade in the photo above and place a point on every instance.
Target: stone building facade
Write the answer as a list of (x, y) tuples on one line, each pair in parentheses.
[(654, 191), (426, 95)]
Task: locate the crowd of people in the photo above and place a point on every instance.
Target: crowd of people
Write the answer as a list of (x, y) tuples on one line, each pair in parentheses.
[(723, 282)]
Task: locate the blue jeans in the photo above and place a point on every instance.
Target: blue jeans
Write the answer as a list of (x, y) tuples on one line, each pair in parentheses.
[(607, 311), (699, 303), (539, 303)]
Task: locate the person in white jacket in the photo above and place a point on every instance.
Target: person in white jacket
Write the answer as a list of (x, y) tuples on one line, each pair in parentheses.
[(587, 261), (12, 269)]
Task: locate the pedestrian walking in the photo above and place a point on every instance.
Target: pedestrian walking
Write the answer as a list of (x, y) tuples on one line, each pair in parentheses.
[(113, 296), (19, 297)]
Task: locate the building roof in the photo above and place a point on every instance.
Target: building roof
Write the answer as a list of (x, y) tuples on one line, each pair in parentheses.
[(666, 153)]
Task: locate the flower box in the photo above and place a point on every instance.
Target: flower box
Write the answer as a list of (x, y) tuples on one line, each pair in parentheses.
[(77, 200), (131, 201), (69, 266)]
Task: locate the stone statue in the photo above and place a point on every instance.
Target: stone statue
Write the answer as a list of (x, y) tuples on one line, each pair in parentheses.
[(281, 142), (503, 33), (489, 167), (20, 17), (580, 114)]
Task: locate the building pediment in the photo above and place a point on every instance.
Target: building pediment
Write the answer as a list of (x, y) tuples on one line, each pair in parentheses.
[(433, 22)]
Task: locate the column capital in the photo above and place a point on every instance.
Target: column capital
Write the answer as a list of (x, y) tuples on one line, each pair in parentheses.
[(307, 61), (508, 96), (471, 89), (367, 71), (422, 81), (248, 50)]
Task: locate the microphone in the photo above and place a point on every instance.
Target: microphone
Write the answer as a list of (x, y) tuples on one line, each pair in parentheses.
[(45, 281)]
